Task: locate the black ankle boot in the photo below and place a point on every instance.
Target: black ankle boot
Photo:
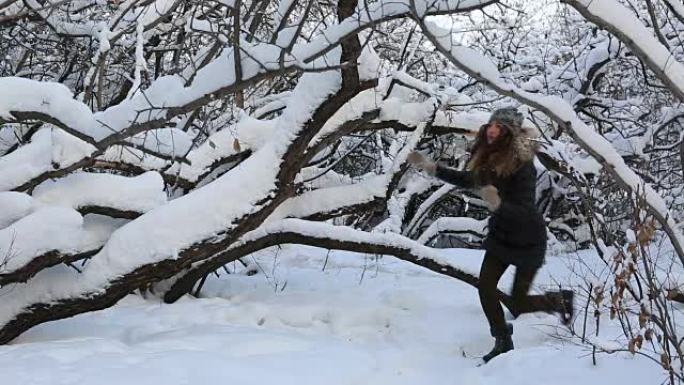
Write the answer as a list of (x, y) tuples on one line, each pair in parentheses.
[(563, 303), (502, 343), (567, 306)]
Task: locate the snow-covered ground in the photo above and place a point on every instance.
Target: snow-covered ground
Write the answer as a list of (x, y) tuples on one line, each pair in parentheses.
[(358, 321)]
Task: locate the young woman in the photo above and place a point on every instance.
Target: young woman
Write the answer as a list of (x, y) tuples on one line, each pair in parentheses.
[(501, 168)]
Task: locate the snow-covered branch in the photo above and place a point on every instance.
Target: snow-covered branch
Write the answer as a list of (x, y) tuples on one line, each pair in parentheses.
[(621, 22)]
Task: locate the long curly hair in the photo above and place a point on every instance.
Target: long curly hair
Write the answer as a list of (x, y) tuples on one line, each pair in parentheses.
[(498, 158)]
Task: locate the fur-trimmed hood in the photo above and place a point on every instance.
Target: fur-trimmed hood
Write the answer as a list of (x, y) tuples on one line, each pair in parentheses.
[(525, 143)]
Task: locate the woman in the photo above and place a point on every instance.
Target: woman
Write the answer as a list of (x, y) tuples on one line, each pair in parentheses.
[(502, 169)]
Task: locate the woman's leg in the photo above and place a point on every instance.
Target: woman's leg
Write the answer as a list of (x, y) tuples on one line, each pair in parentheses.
[(491, 271), (523, 303)]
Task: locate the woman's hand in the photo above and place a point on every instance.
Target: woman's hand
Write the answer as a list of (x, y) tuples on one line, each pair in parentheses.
[(490, 195), (418, 160)]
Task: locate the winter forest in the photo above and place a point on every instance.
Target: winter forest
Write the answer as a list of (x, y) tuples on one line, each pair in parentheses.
[(218, 190)]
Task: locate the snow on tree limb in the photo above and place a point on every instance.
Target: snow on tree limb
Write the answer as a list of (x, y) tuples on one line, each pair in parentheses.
[(138, 194), (676, 7), (296, 231), (454, 225), (418, 217), (621, 22), (28, 245), (290, 231), (331, 199), (47, 149)]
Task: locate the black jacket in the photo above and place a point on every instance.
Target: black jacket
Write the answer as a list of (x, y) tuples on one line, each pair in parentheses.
[(516, 230)]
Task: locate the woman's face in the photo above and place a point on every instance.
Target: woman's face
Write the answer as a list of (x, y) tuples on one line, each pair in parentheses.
[(493, 132)]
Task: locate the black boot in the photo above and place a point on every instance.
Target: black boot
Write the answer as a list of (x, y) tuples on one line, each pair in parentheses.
[(502, 342), (563, 303), (567, 306)]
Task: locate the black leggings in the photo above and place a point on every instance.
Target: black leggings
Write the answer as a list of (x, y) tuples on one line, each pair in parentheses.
[(490, 273)]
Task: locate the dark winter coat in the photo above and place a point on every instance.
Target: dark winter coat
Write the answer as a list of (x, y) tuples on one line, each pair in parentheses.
[(516, 230)]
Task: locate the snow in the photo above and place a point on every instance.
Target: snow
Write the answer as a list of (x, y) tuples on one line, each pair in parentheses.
[(168, 141), (356, 321), (605, 345), (280, 13), (252, 133), (587, 165), (168, 93), (368, 63), (412, 82), (331, 198), (270, 102), (141, 193), (427, 204), (455, 224), (34, 235), (426, 7), (67, 149), (396, 205), (600, 147), (152, 12), (56, 101), (103, 34), (410, 114), (249, 132), (329, 179), (52, 99), (472, 58), (534, 84), (399, 108), (467, 120), (132, 156), (13, 206), (365, 101), (34, 158), (348, 234), (287, 35), (140, 64)]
